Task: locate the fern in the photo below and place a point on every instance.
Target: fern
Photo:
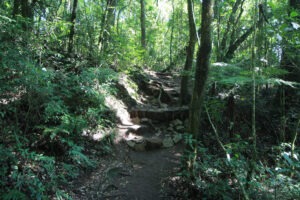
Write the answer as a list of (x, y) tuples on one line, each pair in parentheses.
[(14, 194), (78, 157)]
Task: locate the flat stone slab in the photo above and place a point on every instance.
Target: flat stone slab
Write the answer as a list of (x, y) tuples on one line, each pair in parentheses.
[(160, 114)]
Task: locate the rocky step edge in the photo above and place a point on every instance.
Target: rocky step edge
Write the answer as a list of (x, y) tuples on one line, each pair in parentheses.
[(173, 134)]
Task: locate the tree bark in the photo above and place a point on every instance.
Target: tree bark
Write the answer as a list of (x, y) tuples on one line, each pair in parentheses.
[(202, 67), (108, 21), (290, 54), (230, 22), (290, 61), (190, 49), (143, 24), (16, 8), (234, 46), (72, 29), (25, 8)]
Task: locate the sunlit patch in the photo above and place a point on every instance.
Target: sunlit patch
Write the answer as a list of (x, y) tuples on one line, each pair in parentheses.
[(132, 136), (120, 109), (165, 10), (98, 136), (178, 154)]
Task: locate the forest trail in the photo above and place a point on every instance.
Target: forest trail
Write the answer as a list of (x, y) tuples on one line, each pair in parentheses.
[(147, 145)]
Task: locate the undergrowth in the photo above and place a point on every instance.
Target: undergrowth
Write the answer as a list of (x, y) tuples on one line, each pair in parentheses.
[(43, 113)]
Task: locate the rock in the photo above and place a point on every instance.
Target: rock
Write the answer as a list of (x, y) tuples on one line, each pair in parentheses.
[(170, 129), (180, 128), (140, 146), (154, 143), (136, 120), (130, 143), (163, 105), (177, 138), (137, 144), (160, 114), (168, 142), (177, 122), (186, 123), (145, 120)]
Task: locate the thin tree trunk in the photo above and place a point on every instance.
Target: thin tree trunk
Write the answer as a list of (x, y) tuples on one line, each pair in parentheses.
[(108, 21), (25, 8), (290, 61), (171, 37), (143, 24), (190, 49), (202, 67), (171, 45), (16, 8), (72, 29), (103, 25), (235, 45), (230, 22)]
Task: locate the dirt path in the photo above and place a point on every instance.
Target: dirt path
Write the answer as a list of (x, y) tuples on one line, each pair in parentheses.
[(145, 154)]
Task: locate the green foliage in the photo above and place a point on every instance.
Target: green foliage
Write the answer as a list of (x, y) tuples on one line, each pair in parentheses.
[(27, 175), (43, 112), (48, 97), (230, 74), (215, 177)]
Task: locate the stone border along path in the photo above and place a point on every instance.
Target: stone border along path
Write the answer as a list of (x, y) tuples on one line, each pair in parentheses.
[(145, 150)]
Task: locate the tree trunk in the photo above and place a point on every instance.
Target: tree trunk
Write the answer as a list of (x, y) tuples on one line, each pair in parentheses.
[(25, 8), (290, 54), (290, 61), (202, 66), (143, 24), (72, 29), (16, 8), (190, 49), (108, 21), (230, 22), (236, 44)]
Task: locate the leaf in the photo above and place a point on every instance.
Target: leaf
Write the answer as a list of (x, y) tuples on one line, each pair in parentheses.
[(6, 18), (14, 195), (274, 71), (287, 158), (283, 82), (294, 14)]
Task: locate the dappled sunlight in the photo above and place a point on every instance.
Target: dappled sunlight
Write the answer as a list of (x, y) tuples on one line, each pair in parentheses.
[(119, 108)]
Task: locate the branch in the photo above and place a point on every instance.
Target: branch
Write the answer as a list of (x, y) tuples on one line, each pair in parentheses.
[(242, 38)]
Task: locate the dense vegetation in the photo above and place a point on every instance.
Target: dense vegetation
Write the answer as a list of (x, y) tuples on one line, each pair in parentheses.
[(58, 59)]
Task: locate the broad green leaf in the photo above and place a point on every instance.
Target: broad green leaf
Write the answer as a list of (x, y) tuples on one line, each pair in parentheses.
[(294, 14)]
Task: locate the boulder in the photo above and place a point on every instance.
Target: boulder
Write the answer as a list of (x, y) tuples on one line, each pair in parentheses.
[(168, 142), (153, 143), (177, 138)]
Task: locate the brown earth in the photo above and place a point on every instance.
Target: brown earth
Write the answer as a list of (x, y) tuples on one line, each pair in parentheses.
[(147, 150)]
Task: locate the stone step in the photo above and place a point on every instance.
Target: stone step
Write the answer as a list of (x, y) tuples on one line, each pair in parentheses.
[(160, 114)]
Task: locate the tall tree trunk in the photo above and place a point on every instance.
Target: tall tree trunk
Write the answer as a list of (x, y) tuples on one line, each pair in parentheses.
[(16, 8), (25, 8), (229, 25), (202, 66), (236, 44), (143, 24), (107, 22), (290, 61), (190, 49), (171, 38), (72, 28), (291, 54)]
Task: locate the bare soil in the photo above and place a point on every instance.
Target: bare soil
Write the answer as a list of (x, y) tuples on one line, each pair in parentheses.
[(127, 174)]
